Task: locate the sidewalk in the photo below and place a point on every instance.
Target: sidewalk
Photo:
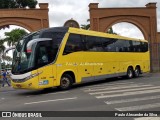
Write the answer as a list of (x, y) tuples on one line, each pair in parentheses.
[(6, 89), (156, 74)]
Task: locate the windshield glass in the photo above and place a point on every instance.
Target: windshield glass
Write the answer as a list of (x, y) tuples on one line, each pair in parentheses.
[(26, 60)]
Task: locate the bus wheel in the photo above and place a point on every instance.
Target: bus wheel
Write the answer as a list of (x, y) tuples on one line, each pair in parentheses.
[(129, 73), (137, 72), (66, 82)]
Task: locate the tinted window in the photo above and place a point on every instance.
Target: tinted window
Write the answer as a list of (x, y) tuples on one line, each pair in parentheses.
[(46, 53), (100, 44), (109, 44), (144, 46), (74, 44), (94, 44)]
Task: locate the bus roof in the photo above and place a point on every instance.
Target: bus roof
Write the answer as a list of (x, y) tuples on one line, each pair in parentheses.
[(55, 29), (88, 32), (101, 34)]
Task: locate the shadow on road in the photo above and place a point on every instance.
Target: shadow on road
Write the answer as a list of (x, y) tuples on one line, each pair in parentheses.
[(77, 86)]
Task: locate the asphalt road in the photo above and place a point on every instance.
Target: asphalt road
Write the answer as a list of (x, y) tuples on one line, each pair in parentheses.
[(117, 94)]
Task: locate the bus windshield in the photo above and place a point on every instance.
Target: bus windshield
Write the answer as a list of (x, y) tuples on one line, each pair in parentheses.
[(28, 52), (18, 53)]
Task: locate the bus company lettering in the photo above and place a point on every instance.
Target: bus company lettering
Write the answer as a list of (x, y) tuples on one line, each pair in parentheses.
[(84, 64)]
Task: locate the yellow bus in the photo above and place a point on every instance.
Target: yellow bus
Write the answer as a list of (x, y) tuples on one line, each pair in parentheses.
[(63, 56)]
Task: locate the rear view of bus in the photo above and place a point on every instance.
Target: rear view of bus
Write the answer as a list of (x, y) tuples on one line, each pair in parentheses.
[(60, 57)]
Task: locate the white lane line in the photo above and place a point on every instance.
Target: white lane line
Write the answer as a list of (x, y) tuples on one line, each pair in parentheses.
[(139, 107), (106, 86), (57, 93), (51, 100), (132, 100), (129, 93), (109, 84), (117, 87), (147, 118), (52, 93), (125, 90)]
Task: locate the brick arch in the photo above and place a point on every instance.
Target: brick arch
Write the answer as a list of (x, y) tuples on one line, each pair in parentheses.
[(136, 23), (31, 19), (14, 22), (145, 18)]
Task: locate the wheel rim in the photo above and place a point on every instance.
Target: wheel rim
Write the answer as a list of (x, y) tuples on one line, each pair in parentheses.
[(137, 72), (65, 82), (130, 73)]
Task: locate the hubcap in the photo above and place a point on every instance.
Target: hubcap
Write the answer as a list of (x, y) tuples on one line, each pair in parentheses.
[(130, 73), (65, 82), (137, 72)]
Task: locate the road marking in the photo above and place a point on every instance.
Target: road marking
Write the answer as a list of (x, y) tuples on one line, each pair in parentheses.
[(132, 100), (106, 85), (139, 107), (129, 93), (57, 93), (147, 118), (117, 87), (135, 89), (51, 100), (51, 93)]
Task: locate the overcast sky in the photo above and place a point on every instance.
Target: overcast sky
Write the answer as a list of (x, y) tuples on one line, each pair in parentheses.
[(63, 10)]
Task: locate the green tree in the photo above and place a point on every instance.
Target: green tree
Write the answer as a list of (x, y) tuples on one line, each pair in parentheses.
[(5, 4), (26, 3), (87, 26), (3, 65), (110, 31), (2, 47), (13, 36)]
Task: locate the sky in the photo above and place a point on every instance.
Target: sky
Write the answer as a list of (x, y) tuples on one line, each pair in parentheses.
[(62, 10)]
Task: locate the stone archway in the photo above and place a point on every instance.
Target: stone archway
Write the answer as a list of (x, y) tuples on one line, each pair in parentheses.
[(144, 18), (31, 19), (132, 21)]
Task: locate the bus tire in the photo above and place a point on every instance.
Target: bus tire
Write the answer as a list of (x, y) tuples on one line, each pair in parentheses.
[(66, 82), (137, 72), (130, 72)]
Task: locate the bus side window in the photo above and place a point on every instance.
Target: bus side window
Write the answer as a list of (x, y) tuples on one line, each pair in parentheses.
[(94, 44), (73, 44), (42, 55)]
